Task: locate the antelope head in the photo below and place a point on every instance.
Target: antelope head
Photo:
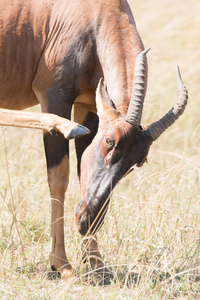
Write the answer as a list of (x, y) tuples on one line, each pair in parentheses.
[(120, 144)]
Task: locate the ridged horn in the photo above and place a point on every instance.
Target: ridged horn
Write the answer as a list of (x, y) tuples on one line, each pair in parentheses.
[(157, 128), (134, 113)]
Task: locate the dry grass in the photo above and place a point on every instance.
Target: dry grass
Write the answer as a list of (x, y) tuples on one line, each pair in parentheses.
[(151, 233)]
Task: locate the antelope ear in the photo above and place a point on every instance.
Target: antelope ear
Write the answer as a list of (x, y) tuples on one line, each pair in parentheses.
[(103, 101)]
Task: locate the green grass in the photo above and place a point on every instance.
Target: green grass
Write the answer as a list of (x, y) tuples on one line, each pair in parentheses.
[(151, 234)]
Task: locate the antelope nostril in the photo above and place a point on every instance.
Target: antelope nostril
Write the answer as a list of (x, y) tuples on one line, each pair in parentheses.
[(83, 228), (81, 217)]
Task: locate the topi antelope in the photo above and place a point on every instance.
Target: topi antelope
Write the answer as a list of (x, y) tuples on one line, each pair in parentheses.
[(55, 53)]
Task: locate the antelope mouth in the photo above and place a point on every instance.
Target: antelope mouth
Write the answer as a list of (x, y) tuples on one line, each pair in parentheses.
[(88, 223)]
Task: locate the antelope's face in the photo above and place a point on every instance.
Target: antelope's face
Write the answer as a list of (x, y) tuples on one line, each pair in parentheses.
[(119, 145)]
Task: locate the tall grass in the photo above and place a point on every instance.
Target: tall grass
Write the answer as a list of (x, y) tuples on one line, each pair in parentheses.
[(150, 238)]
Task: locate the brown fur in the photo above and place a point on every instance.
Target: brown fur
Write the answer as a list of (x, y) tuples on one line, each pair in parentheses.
[(54, 53), (43, 41)]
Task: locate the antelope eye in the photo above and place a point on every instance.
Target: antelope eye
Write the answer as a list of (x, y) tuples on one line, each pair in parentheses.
[(110, 142)]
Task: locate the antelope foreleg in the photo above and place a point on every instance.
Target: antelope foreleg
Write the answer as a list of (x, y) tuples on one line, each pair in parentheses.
[(57, 155), (48, 122)]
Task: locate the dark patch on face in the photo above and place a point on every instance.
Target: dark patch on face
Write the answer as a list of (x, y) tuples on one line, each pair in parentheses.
[(96, 216)]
